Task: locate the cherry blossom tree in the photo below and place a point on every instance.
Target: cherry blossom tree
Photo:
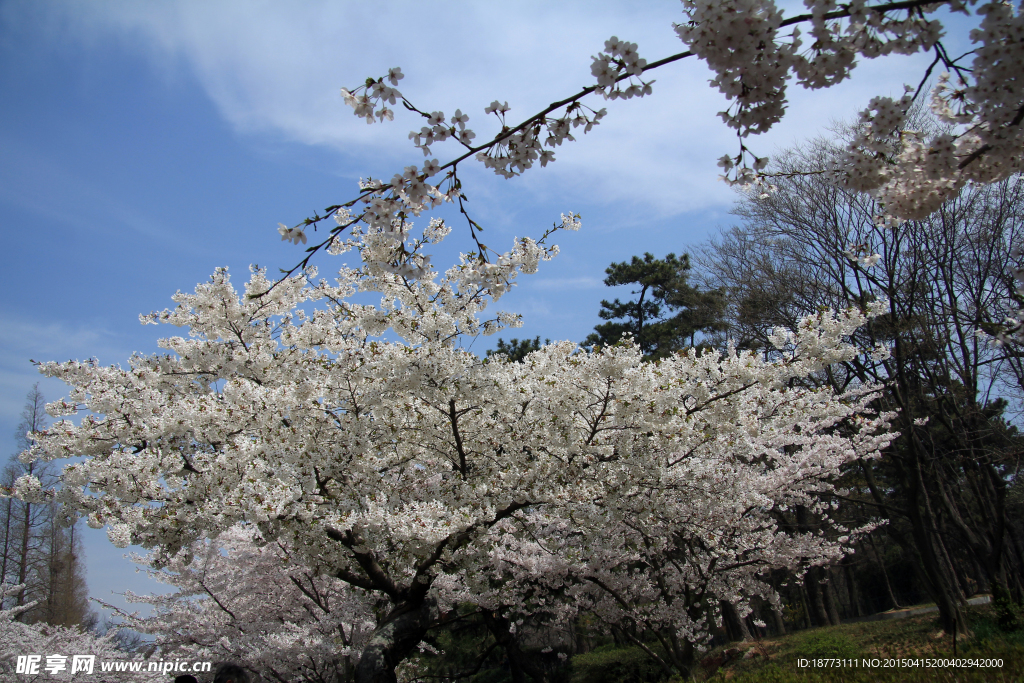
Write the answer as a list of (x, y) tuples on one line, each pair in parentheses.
[(689, 518), (243, 601), (699, 526), (401, 467)]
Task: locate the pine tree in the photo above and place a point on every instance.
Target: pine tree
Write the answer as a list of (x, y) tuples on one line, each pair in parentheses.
[(668, 312), (516, 349)]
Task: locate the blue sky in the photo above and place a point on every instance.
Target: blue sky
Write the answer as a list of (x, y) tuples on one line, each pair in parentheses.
[(142, 145)]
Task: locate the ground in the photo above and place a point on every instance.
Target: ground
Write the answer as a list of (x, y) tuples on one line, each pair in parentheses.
[(911, 644)]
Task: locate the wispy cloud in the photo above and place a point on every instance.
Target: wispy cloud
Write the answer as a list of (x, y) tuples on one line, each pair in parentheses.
[(48, 189), (47, 340), (277, 68)]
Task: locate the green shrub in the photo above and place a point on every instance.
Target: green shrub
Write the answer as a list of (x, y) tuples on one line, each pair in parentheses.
[(828, 644), (1008, 614), (491, 676), (987, 631), (611, 664)]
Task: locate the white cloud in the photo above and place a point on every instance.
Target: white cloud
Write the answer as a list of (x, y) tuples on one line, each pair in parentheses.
[(46, 188), (19, 338), (277, 68)]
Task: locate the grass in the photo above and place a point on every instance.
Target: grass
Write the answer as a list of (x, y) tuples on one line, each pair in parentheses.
[(777, 660)]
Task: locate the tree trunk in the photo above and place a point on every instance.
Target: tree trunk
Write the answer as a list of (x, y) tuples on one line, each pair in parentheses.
[(816, 606), (682, 653), (395, 639), (806, 600), (856, 607), (7, 541), (780, 623), (23, 560), (829, 597), (735, 626), (1017, 554), (519, 662), (885, 573), (1007, 609), (943, 586)]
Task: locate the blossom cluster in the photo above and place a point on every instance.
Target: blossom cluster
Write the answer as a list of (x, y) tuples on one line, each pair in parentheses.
[(740, 41), (239, 600), (753, 56), (375, 93), (20, 639), (437, 131), (914, 173), (513, 150), (620, 59)]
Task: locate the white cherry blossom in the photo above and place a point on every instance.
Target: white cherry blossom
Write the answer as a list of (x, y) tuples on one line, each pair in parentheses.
[(416, 471)]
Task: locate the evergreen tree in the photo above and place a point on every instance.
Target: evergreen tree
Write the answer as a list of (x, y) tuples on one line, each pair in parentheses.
[(516, 349), (668, 311)]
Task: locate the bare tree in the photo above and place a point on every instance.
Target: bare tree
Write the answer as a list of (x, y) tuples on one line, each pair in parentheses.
[(808, 245), (39, 548)]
